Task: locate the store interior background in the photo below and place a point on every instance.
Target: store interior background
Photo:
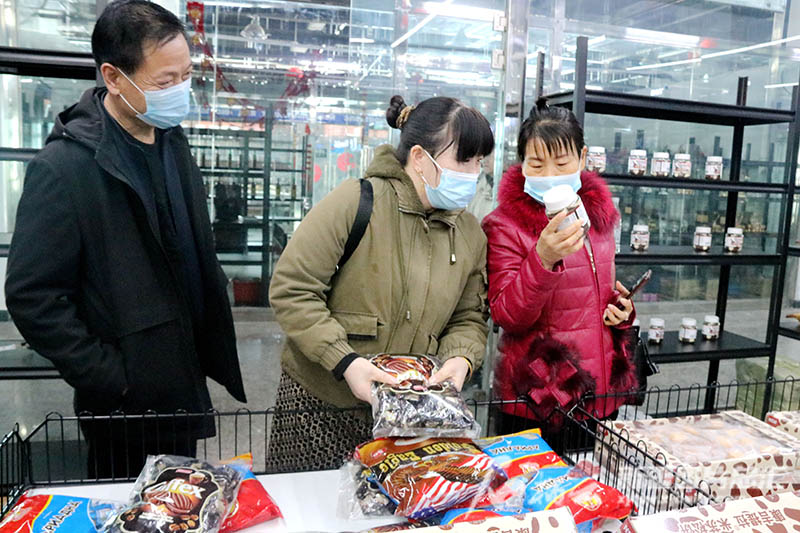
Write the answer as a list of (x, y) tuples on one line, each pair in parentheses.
[(319, 76)]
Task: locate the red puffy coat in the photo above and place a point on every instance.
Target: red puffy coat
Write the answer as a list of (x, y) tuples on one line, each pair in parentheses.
[(554, 346)]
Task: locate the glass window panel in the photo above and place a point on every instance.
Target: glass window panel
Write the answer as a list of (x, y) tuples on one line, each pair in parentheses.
[(749, 292), (655, 49), (12, 176), (50, 24), (30, 105), (620, 135)]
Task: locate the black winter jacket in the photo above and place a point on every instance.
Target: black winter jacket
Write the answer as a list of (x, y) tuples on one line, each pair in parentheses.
[(89, 285)]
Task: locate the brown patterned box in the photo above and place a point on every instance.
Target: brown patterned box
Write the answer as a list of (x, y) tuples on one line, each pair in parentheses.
[(731, 453), (788, 421), (765, 514)]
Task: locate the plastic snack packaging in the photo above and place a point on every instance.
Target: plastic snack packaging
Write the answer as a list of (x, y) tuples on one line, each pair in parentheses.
[(178, 494), (359, 495), (424, 477), (253, 503), (413, 407), (587, 498), (520, 453), (52, 514)]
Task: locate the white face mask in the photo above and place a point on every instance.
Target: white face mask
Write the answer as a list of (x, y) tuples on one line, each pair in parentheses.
[(536, 186), (455, 191), (166, 108)]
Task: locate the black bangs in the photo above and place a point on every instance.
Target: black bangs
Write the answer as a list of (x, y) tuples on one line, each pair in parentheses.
[(555, 127), (471, 133), (554, 137)]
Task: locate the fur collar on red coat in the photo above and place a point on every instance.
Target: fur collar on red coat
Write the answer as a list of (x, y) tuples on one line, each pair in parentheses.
[(515, 202)]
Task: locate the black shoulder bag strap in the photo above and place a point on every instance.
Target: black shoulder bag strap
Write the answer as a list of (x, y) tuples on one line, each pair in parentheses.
[(359, 224)]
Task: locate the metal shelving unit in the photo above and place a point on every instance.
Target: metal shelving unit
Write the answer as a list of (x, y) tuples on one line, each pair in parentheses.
[(729, 346), (272, 208)]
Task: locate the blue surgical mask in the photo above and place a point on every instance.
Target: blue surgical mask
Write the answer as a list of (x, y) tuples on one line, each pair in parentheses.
[(455, 191), (536, 186), (166, 108)]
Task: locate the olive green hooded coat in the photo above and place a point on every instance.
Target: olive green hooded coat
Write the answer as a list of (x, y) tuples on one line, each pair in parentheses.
[(415, 284)]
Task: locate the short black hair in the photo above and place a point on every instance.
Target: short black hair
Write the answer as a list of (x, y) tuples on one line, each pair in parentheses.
[(126, 27), (555, 127), (438, 123)]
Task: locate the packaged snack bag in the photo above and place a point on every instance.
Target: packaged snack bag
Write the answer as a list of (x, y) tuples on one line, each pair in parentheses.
[(178, 494), (54, 514), (413, 407), (424, 477)]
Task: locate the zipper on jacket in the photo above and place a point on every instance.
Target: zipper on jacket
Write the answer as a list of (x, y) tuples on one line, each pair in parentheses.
[(590, 252)]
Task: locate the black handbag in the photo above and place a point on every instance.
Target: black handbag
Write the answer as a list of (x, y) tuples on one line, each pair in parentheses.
[(645, 367)]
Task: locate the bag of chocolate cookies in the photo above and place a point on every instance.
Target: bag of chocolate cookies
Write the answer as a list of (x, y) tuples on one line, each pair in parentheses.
[(179, 495)]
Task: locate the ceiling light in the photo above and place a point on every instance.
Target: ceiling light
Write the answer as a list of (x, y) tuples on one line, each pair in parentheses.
[(462, 12), (361, 40), (779, 85), (717, 54), (253, 31), (424, 22), (661, 37)]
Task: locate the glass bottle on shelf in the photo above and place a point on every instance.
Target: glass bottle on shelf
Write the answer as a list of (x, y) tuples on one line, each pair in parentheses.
[(294, 189)]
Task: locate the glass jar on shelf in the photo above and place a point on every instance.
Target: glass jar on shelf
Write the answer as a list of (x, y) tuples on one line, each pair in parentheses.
[(734, 240), (702, 239), (637, 162), (655, 334), (682, 166), (596, 159), (640, 238), (714, 168), (711, 328), (688, 331), (660, 164)]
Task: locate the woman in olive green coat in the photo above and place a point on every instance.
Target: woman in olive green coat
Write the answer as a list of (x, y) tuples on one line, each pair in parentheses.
[(415, 284)]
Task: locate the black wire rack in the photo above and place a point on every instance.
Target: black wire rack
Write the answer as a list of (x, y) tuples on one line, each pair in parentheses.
[(55, 453)]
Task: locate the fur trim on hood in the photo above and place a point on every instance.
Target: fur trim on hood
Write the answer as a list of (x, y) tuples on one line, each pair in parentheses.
[(594, 192)]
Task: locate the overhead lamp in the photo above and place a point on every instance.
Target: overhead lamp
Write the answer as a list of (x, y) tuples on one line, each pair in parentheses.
[(361, 40), (424, 22), (253, 31), (717, 54), (779, 85), (462, 12), (661, 37)]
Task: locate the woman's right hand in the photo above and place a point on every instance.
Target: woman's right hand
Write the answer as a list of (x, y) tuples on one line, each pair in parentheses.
[(554, 245), (361, 374)]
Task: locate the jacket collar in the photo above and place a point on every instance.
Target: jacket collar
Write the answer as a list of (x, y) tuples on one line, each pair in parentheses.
[(385, 165), (529, 213)]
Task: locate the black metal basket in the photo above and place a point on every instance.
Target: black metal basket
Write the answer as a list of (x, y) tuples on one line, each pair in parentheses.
[(54, 453)]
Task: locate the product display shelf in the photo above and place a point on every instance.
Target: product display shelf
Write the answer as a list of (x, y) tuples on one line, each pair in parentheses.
[(685, 255), (252, 164), (695, 184), (735, 187), (790, 328), (639, 106), (728, 346)]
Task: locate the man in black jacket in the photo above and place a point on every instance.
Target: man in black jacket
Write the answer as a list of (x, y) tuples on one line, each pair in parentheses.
[(112, 273)]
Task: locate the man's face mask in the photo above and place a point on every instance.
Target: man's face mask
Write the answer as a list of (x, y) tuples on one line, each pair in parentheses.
[(166, 108)]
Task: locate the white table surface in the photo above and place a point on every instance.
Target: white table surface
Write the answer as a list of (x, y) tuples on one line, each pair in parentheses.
[(308, 501)]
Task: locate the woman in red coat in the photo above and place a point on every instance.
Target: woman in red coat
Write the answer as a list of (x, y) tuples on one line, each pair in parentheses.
[(555, 293)]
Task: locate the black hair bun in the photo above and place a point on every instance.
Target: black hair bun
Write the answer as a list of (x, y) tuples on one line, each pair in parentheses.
[(541, 103), (396, 105)]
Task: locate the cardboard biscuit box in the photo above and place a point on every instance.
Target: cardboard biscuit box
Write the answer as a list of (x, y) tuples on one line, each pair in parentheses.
[(728, 454), (765, 514), (554, 521), (788, 421)]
